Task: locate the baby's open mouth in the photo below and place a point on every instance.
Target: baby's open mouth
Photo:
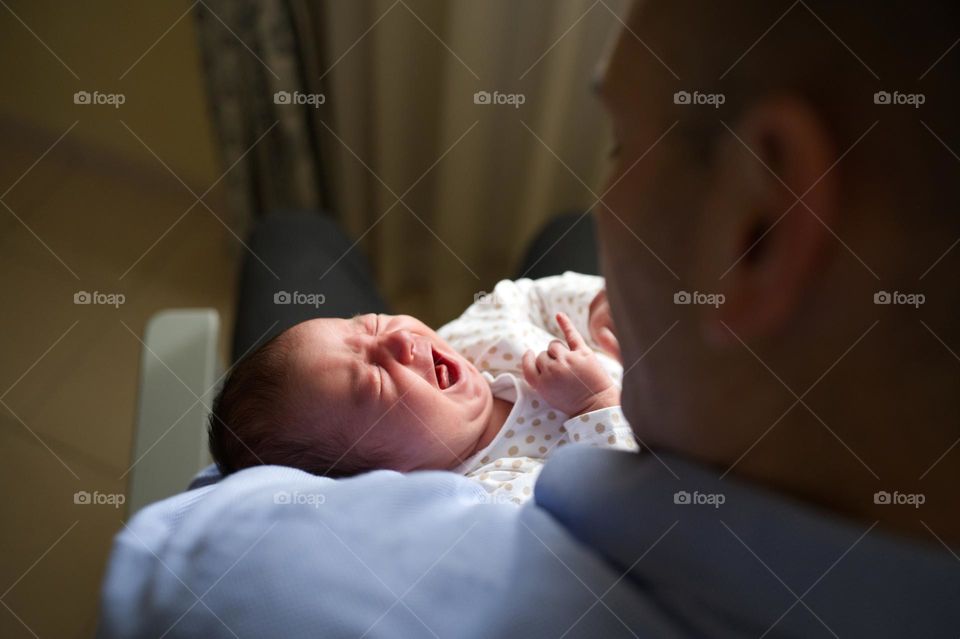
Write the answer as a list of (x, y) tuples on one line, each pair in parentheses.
[(446, 371)]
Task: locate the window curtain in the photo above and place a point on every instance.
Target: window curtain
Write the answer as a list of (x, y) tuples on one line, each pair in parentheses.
[(253, 52), (442, 190)]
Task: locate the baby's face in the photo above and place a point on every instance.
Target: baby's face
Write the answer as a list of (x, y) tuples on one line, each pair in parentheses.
[(391, 382)]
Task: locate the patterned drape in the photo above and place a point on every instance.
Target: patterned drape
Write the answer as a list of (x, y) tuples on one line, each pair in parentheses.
[(254, 54), (443, 189)]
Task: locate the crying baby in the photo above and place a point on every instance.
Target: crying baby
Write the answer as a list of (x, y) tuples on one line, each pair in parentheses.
[(525, 370)]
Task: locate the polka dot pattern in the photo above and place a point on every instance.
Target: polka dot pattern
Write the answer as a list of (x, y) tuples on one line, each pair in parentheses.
[(493, 335)]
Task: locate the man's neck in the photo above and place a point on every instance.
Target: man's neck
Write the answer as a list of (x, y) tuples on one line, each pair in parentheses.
[(899, 503)]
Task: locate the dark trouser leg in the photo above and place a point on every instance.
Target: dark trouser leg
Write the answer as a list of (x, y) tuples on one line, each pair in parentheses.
[(311, 256), (568, 242)]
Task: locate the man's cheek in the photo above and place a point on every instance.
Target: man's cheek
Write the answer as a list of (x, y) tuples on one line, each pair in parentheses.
[(618, 210), (623, 292), (614, 250)]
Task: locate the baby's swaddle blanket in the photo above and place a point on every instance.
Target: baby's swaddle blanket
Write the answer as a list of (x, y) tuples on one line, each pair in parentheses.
[(493, 334)]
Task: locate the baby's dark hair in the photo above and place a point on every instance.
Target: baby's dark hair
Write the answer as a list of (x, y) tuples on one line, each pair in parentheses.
[(257, 419)]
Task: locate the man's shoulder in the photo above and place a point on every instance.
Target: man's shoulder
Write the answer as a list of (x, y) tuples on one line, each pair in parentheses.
[(272, 538), (277, 552), (277, 496)]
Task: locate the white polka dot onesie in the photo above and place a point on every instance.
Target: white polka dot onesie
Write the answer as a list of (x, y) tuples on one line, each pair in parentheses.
[(493, 334)]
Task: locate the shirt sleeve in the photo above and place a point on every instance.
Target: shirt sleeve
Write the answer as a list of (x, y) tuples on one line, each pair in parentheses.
[(604, 428)]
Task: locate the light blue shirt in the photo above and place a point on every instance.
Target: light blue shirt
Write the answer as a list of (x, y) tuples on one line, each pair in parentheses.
[(614, 545)]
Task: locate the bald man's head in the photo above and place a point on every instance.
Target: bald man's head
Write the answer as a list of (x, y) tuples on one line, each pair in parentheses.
[(836, 55), (792, 159)]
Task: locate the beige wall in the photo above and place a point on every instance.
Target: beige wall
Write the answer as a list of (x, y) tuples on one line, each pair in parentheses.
[(100, 40), (486, 177)]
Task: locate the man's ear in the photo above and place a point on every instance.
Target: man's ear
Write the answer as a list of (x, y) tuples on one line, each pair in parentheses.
[(770, 211)]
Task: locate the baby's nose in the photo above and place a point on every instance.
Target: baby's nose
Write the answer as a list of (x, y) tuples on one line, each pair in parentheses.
[(401, 346)]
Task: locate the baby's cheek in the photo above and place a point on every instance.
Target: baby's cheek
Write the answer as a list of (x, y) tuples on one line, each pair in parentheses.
[(412, 416)]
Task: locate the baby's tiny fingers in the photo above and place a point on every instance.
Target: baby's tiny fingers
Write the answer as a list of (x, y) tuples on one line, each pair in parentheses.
[(528, 363), (556, 348), (543, 362), (574, 340)]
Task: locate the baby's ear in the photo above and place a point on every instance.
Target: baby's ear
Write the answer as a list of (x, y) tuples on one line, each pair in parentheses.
[(608, 342)]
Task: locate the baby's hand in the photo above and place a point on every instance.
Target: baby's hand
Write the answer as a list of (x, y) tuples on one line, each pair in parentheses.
[(569, 376)]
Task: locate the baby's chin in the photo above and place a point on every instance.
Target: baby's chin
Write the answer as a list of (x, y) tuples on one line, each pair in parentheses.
[(480, 381)]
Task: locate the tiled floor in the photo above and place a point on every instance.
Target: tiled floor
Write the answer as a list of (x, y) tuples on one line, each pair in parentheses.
[(68, 373)]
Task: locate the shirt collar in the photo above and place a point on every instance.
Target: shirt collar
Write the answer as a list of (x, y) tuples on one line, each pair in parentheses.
[(750, 557)]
